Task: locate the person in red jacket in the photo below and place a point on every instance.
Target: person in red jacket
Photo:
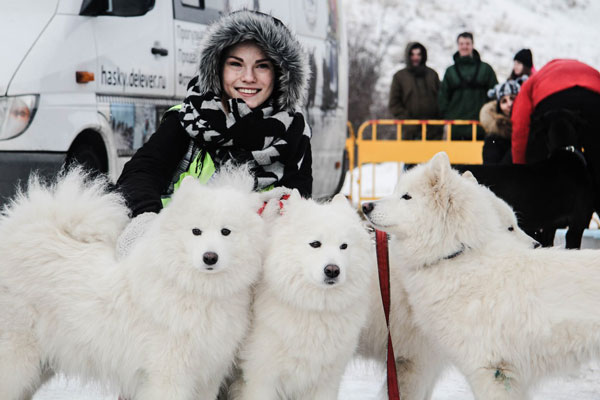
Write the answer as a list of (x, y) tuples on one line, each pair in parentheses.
[(558, 106)]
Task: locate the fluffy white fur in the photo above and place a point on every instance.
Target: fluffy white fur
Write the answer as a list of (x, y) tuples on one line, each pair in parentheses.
[(306, 325), (506, 315), (418, 363), (159, 324)]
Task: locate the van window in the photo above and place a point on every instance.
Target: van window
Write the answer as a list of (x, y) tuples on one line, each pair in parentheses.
[(199, 11)]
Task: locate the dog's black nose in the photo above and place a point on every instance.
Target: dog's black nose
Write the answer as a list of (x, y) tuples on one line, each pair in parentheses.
[(332, 271), (536, 245), (210, 258), (367, 208)]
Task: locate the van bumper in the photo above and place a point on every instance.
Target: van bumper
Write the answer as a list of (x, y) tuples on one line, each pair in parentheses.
[(16, 166)]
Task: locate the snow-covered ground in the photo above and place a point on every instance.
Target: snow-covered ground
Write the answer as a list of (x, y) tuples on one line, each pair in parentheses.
[(363, 379)]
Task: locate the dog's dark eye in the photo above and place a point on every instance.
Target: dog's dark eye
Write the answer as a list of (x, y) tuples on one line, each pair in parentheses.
[(315, 244), (225, 231), (511, 228), (196, 232), (344, 246), (406, 196)]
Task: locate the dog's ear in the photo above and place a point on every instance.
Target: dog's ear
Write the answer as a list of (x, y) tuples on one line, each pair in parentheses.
[(186, 181), (439, 174), (294, 196), (469, 175), (272, 210), (339, 199), (186, 184), (439, 167), (283, 204)]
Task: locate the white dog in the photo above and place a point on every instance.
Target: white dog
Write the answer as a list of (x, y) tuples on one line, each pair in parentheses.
[(310, 305), (163, 323), (418, 363), (504, 314)]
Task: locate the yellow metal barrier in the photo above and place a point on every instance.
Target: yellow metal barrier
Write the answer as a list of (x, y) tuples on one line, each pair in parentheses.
[(413, 151)]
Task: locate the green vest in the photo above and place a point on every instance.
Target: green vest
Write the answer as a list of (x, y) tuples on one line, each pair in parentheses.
[(201, 168)]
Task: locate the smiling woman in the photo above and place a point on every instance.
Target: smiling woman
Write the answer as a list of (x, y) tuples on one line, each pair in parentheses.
[(248, 74), (244, 106)]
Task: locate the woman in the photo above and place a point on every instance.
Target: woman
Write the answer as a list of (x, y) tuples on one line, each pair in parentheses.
[(523, 65), (495, 120), (243, 106)]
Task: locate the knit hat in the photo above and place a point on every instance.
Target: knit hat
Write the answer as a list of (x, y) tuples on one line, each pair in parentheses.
[(504, 89), (525, 57)]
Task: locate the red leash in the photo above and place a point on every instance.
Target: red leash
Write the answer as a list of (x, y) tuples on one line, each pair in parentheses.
[(383, 266)]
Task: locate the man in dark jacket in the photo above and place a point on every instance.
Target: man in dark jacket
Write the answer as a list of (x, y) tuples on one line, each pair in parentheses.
[(465, 85), (414, 91)]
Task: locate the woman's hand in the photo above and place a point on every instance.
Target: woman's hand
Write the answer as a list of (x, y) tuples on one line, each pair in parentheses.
[(133, 232)]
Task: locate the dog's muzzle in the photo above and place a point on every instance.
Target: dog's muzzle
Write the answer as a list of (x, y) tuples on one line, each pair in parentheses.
[(210, 258), (367, 208), (331, 272)]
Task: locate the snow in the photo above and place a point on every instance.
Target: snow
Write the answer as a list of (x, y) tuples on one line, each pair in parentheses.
[(363, 380)]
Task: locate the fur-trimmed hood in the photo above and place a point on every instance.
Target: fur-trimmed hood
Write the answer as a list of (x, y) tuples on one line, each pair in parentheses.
[(493, 122), (278, 43), (415, 45)]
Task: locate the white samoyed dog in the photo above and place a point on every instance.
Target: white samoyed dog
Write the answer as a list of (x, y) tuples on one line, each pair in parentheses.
[(418, 363), (506, 315), (165, 322), (310, 304)]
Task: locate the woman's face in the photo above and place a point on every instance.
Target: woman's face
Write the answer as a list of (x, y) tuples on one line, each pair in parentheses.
[(506, 103), (518, 68), (248, 74)]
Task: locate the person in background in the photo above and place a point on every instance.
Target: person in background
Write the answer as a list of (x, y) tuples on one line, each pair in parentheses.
[(244, 106), (557, 107), (523, 65), (465, 85), (495, 120), (414, 91)]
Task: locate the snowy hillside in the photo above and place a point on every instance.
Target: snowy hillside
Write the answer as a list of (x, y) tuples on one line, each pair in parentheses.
[(550, 28)]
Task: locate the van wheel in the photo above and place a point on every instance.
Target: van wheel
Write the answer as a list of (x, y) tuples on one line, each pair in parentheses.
[(84, 154)]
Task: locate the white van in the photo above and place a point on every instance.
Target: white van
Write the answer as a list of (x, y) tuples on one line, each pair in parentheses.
[(90, 79)]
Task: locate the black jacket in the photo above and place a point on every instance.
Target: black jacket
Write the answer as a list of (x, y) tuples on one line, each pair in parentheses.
[(149, 172)]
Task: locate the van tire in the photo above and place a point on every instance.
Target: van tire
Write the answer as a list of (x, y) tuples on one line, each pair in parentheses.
[(88, 151)]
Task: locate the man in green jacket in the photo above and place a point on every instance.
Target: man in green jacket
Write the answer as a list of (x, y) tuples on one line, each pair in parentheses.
[(464, 88), (414, 92)]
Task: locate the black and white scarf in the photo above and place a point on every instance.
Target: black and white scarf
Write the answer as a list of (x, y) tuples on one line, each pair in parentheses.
[(273, 142)]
